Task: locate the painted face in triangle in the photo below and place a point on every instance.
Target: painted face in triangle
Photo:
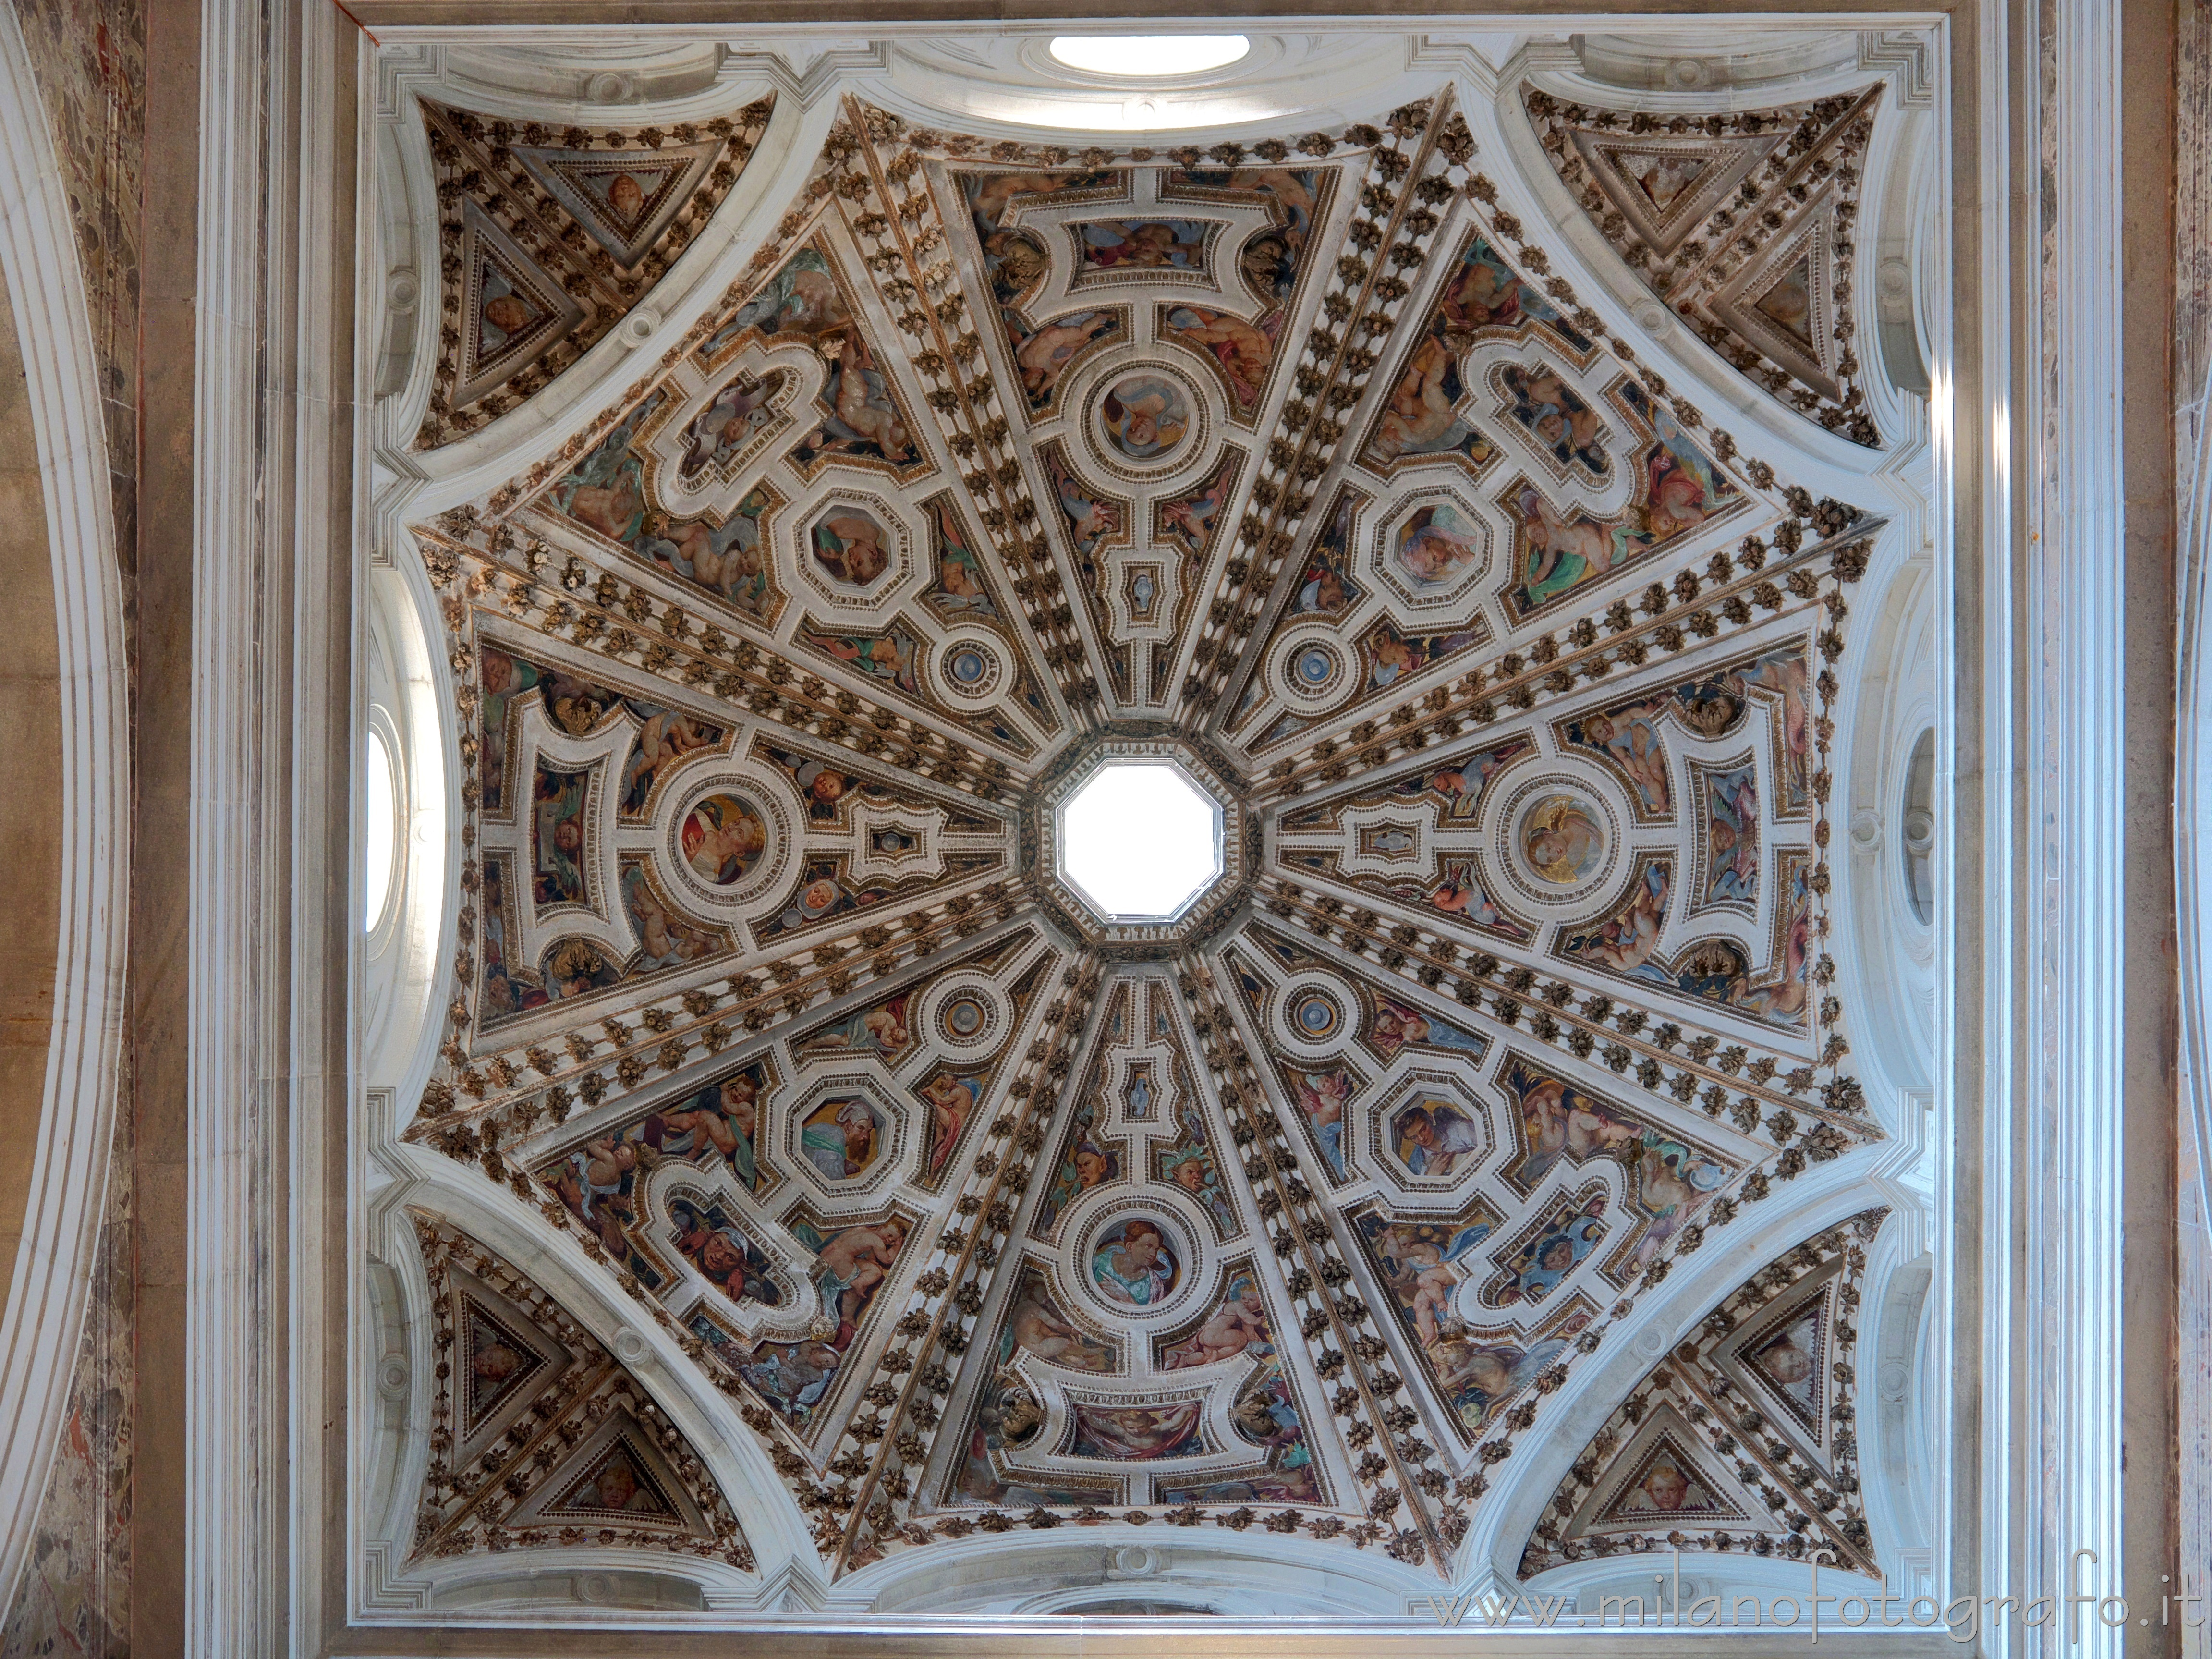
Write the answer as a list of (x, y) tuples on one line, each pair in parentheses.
[(1669, 1486), (1787, 1360), (616, 1485), (498, 1367), (1663, 178), (626, 198), (506, 315), (1790, 301)]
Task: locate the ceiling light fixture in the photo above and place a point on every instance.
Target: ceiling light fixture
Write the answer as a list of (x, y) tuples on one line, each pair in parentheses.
[(1151, 55)]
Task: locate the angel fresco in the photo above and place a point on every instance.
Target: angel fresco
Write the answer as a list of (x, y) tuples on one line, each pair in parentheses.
[(1477, 1378), (1035, 1325), (606, 495), (1325, 586), (1679, 490), (1627, 735), (1113, 245), (951, 1100), (1321, 1098), (1421, 416), (1091, 518), (1189, 522), (1461, 892), (1568, 428), (1422, 1264), (1395, 1025), (667, 736), (718, 1123), (857, 414), (889, 657), (739, 413), (1014, 263), (1457, 784), (1237, 1325), (1624, 942), (1732, 836), (882, 1030), (1392, 656), (851, 1266), (1271, 259), (1670, 1179), (1242, 351), (664, 940)]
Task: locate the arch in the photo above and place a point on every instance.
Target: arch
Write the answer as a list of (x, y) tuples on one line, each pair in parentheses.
[(71, 1173)]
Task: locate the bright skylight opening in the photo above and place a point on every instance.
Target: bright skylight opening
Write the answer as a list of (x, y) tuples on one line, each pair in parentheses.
[(1140, 840), (1149, 55), (382, 827)]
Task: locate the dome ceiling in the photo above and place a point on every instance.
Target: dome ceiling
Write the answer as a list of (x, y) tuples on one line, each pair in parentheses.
[(1294, 462)]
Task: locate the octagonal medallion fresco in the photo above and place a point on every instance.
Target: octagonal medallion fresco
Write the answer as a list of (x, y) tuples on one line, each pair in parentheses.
[(947, 1199)]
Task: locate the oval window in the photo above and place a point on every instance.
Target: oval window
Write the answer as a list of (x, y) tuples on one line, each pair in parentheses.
[(380, 831), (1152, 54)]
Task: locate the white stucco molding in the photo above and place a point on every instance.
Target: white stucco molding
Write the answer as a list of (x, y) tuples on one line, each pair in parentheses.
[(46, 1291), (2192, 779)]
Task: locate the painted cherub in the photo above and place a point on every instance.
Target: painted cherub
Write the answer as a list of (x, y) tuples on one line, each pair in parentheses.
[(949, 1101), (853, 1263), (1240, 1322), (1427, 1281)]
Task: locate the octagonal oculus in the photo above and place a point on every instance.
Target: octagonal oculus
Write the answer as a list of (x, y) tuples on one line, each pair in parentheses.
[(1140, 841)]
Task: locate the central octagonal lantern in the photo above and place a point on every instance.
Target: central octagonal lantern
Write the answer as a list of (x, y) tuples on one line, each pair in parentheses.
[(1140, 841)]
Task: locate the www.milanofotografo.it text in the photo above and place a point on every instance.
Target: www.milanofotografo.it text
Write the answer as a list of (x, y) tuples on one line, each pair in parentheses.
[(2082, 1607)]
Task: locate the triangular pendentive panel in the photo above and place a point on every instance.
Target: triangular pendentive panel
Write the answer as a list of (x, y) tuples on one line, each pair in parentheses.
[(623, 199), (1665, 185), (1668, 1479), (548, 238), (1743, 1438), (1741, 223), (1784, 300), (539, 1436), (512, 311)]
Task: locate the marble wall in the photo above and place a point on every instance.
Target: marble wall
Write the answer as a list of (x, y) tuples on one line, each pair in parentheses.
[(90, 60), (88, 57), (75, 1595)]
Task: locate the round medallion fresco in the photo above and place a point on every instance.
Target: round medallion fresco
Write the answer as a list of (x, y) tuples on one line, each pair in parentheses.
[(965, 1017), (1134, 1264), (1315, 1017), (723, 838), (1145, 416), (967, 667), (1563, 838)]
